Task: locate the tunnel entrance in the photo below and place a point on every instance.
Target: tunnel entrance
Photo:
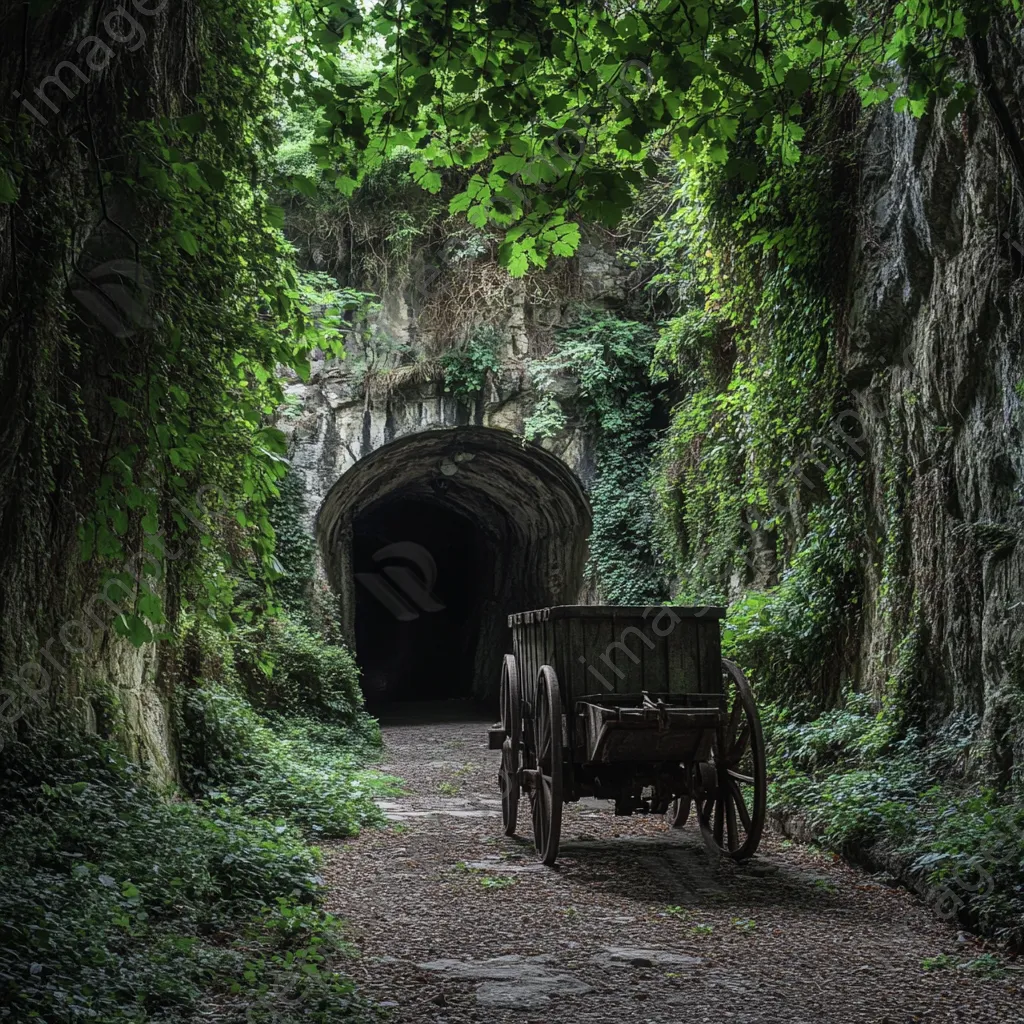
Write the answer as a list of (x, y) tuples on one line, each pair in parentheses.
[(431, 541), (421, 572)]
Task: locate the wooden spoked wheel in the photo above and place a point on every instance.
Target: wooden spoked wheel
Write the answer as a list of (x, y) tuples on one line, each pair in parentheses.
[(732, 797), (546, 790), (511, 722), (678, 812)]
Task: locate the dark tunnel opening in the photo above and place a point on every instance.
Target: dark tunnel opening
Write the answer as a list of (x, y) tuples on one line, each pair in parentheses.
[(432, 540), (422, 575)]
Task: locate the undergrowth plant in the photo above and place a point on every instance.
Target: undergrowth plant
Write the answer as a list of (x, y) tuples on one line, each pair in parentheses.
[(117, 904), (467, 367), (870, 790), (597, 373), (230, 753)]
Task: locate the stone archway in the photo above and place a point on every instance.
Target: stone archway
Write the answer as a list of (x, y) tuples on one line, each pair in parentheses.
[(432, 540)]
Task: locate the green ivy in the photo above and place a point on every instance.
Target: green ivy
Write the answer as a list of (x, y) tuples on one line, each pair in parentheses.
[(468, 367), (865, 792), (294, 548), (791, 638), (230, 752), (310, 675), (753, 354), (597, 373)]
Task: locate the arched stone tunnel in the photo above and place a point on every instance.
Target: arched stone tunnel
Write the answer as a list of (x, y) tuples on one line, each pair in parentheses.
[(432, 540)]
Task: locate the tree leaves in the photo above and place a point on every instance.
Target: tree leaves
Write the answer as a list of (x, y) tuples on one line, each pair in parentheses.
[(187, 241), (558, 108)]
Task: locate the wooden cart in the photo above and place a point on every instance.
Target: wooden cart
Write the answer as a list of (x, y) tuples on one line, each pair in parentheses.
[(635, 705)]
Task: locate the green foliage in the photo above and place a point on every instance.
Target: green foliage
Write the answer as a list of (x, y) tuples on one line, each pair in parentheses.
[(294, 546), (988, 965), (859, 785), (288, 663), (693, 348), (467, 368), (496, 881), (165, 456), (230, 752), (853, 729), (370, 239), (284, 666), (309, 675), (339, 316), (598, 371), (790, 638), (559, 109), (759, 427), (119, 905), (190, 397)]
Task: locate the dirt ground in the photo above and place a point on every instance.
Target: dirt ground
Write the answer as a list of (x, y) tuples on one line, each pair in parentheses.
[(456, 923)]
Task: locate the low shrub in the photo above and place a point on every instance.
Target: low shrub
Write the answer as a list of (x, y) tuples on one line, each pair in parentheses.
[(864, 790), (229, 752), (286, 667), (118, 904)]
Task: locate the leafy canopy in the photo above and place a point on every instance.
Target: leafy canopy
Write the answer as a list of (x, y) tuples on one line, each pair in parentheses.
[(556, 112)]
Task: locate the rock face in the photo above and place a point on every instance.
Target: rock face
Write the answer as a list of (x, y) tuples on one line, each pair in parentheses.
[(57, 645), (434, 518), (431, 530), (931, 353), (933, 358), (337, 423)]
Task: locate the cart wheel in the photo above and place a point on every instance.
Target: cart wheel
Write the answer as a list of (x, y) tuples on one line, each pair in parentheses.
[(732, 801), (546, 791), (512, 723), (678, 812)]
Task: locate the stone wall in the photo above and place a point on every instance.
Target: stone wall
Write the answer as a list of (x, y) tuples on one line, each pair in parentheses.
[(533, 516), (933, 355), (56, 363)]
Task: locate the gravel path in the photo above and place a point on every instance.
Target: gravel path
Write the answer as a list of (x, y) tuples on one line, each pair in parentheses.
[(456, 923)]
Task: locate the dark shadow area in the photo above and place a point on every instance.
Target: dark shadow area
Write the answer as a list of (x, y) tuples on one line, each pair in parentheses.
[(422, 571), (431, 713), (677, 869)]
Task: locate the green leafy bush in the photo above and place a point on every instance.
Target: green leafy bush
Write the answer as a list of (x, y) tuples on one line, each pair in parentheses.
[(284, 666), (466, 368), (308, 676), (862, 788), (117, 904), (229, 752), (598, 371)]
